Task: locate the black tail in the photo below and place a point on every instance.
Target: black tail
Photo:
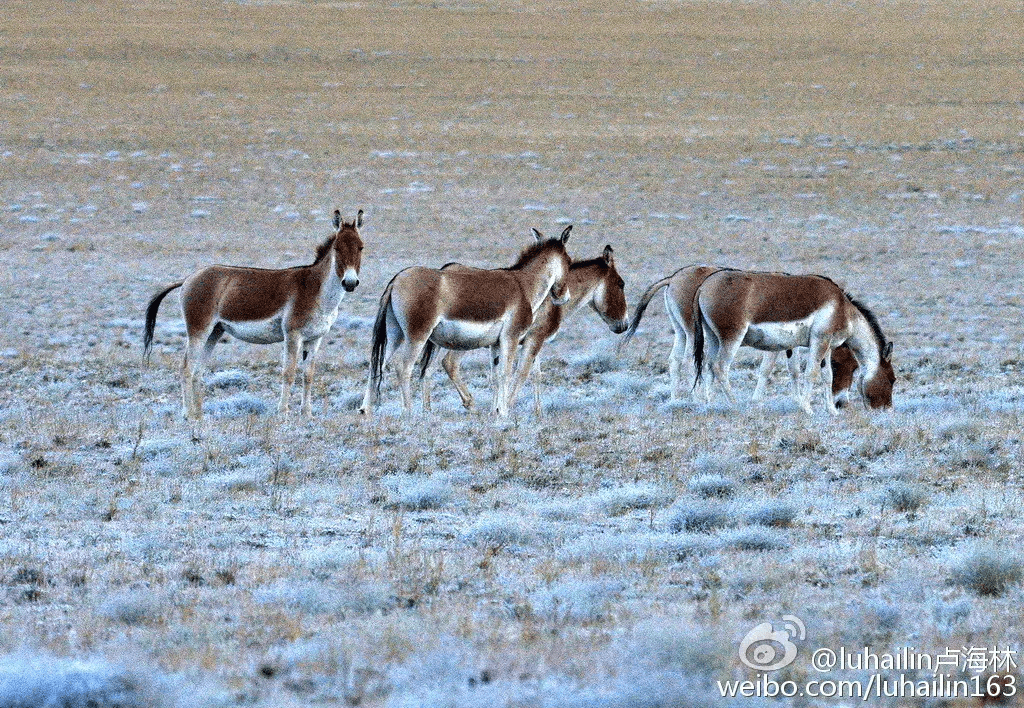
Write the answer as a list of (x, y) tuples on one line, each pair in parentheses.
[(645, 300), (380, 341), (428, 353), (698, 340), (154, 305)]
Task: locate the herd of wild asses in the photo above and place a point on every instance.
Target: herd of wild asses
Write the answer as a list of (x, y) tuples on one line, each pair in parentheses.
[(513, 311)]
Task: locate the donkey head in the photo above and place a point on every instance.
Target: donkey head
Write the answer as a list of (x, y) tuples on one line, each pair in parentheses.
[(609, 299), (877, 391), (348, 250), (844, 365), (559, 263)]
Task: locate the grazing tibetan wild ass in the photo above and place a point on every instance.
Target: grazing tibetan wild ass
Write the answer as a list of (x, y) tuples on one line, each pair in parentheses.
[(681, 287), (595, 282), (262, 306), (465, 308), (844, 366), (776, 312)]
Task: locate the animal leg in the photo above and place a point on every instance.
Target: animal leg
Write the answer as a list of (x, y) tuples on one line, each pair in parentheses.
[(189, 364), (793, 364), (827, 376), (191, 371), (682, 350), (492, 371), (825, 357), (527, 358), (290, 358), (395, 337), (452, 366), (425, 381), (309, 354), (687, 372), (764, 373), (818, 349), (506, 356), (723, 363), (537, 410), (404, 361), (713, 351)]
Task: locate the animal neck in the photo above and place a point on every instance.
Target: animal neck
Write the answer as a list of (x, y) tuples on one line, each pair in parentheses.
[(536, 279), (583, 283), (331, 288), (865, 346)]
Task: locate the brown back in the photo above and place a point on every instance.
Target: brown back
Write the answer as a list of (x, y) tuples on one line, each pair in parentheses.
[(765, 297)]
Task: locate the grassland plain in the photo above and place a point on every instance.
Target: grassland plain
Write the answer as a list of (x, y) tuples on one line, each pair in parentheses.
[(613, 552)]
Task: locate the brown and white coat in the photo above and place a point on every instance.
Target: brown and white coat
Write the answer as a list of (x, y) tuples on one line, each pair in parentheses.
[(263, 306), (777, 312), (462, 309), (595, 282)]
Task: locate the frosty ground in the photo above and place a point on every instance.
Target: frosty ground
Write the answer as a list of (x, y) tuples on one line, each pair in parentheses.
[(612, 552)]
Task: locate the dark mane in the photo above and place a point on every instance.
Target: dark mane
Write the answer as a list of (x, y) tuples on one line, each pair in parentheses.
[(578, 265), (323, 249), (872, 321), (532, 251)]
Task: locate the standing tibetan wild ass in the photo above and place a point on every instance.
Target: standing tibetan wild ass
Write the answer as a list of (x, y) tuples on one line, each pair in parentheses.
[(294, 305), (595, 282), (776, 312), (681, 286), (465, 308)]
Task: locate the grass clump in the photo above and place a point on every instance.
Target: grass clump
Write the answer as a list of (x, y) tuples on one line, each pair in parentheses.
[(774, 514), (575, 599), (700, 517), (237, 406), (416, 492), (988, 571), (904, 497), (133, 607), (712, 485), (627, 497), (753, 538), (496, 529)]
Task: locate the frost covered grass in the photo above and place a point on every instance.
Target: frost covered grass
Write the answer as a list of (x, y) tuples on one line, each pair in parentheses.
[(30, 680), (612, 551), (988, 571), (619, 500), (417, 492)]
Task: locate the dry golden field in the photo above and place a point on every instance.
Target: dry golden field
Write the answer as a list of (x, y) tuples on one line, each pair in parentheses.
[(614, 552)]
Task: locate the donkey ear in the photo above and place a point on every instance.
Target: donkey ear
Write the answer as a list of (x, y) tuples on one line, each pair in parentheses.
[(337, 218), (887, 351), (359, 219), (537, 235), (608, 251), (565, 234)]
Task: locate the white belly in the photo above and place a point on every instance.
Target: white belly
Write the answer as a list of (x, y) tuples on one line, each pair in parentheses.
[(778, 336), (269, 331), (457, 334)]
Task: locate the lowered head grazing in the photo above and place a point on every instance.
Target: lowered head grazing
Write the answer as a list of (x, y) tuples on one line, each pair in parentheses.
[(877, 392)]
